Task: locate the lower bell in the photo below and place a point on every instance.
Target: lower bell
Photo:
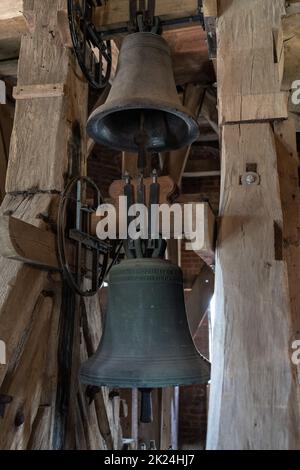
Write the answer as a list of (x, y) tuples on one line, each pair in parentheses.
[(146, 341)]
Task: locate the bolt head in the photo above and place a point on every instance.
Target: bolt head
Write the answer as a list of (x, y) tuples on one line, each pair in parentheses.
[(250, 179)]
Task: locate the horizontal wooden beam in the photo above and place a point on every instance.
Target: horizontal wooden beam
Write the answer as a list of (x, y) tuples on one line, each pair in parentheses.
[(12, 28), (50, 90), (201, 174), (293, 7), (116, 12), (251, 108), (24, 242), (8, 68), (12, 21)]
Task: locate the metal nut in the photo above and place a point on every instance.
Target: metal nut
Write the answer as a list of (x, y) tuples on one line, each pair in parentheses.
[(250, 178)]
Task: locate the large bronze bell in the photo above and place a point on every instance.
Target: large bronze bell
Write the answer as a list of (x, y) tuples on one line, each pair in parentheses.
[(146, 341), (143, 94)]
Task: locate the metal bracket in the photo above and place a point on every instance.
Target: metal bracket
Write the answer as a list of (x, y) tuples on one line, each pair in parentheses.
[(142, 19)]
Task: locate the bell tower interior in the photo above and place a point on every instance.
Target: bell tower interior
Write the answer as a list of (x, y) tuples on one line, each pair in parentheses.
[(149, 225)]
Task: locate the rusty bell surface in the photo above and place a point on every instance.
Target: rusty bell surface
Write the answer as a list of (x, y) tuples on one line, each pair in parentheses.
[(144, 84), (146, 341)]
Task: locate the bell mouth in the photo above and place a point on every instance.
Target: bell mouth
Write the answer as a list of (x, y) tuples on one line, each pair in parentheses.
[(167, 128), (193, 369)]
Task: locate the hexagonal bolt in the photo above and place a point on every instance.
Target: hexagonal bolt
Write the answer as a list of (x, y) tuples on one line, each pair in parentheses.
[(250, 178)]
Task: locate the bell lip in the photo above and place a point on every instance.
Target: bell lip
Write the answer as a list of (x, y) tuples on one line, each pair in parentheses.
[(155, 383), (147, 382), (140, 103)]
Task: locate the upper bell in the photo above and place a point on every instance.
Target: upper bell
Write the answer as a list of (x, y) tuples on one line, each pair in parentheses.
[(144, 85), (146, 341)]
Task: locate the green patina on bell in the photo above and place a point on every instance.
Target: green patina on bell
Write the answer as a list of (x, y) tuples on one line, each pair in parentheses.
[(146, 341)]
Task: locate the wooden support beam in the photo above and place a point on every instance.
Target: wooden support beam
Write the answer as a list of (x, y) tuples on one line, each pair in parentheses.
[(13, 25), (263, 384), (47, 90), (24, 242), (291, 38), (293, 7), (209, 109), (26, 382), (12, 20), (46, 144), (245, 93), (8, 68), (254, 384), (175, 161), (116, 13), (6, 124)]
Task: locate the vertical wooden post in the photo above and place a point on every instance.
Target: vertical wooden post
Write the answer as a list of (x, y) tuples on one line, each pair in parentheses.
[(254, 401), (6, 123), (48, 144)]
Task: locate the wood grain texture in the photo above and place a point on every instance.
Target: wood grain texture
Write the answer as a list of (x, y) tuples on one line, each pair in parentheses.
[(291, 37), (117, 11), (254, 385), (43, 149), (39, 153), (50, 90), (25, 383), (6, 124), (175, 161), (26, 243), (247, 63)]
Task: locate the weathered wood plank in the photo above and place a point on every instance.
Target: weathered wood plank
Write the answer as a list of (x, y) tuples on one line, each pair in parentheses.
[(44, 133), (26, 243), (175, 161), (6, 124), (291, 38), (247, 108), (116, 12), (25, 383), (50, 90), (247, 65), (43, 60), (253, 380)]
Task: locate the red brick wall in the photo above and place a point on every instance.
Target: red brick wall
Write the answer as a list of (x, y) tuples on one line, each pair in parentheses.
[(191, 265), (192, 417), (193, 402)]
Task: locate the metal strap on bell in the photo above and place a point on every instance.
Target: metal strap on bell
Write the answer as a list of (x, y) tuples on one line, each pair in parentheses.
[(144, 85), (146, 341)]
